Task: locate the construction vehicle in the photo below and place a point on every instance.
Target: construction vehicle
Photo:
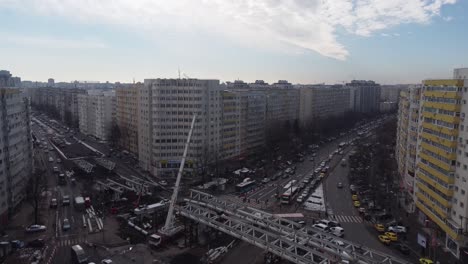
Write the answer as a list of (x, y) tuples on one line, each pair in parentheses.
[(170, 229)]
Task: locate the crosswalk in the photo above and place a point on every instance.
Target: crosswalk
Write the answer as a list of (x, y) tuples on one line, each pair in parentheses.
[(347, 218), (64, 242)]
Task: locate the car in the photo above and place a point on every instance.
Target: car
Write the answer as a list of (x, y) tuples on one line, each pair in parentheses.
[(311, 159), (337, 231), (314, 154), (106, 261), (300, 199), (354, 197), (321, 227), (392, 236), (339, 185), (329, 223), (357, 204), (384, 239), (66, 200), (36, 243), (59, 160), (402, 248), (352, 187), (397, 229), (51, 159), (16, 244), (35, 228), (425, 261), (265, 180), (163, 183), (53, 203), (66, 224)]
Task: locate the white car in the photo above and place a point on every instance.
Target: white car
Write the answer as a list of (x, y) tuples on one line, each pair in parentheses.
[(337, 231), (35, 228), (163, 183), (106, 261), (300, 199), (397, 229)]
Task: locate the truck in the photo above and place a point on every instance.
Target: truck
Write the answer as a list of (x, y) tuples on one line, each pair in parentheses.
[(79, 203), (78, 255)]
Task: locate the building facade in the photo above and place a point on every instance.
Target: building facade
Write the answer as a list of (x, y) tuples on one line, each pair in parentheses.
[(322, 101), (97, 113), (365, 96), (15, 150), (407, 136), (127, 115), (61, 102), (174, 103), (441, 170)]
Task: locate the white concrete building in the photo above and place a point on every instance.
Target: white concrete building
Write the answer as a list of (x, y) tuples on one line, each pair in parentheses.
[(322, 101), (174, 102), (15, 150), (97, 113)]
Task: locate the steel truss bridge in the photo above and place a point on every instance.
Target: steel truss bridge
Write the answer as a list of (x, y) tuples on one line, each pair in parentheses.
[(284, 238)]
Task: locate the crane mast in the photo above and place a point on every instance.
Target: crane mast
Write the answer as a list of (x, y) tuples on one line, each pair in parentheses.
[(169, 228)]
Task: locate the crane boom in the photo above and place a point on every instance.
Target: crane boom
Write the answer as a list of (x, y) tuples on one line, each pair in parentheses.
[(169, 225)]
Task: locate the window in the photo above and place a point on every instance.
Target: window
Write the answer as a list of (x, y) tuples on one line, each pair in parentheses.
[(463, 192), (462, 205)]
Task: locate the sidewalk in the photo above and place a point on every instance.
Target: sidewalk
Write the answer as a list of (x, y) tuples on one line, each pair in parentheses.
[(410, 220)]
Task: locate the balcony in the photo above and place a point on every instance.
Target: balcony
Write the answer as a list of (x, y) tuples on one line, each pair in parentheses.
[(442, 141), (443, 94), (438, 221), (436, 162), (435, 184), (437, 174), (443, 106), (444, 130), (431, 204), (438, 151), (447, 204)]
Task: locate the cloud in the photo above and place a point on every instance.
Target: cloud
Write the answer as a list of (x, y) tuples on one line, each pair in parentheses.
[(384, 35), (447, 18), (308, 24), (52, 42)]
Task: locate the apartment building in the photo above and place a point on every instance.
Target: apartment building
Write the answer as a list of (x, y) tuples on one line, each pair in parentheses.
[(174, 103), (127, 115), (15, 150), (97, 113), (407, 136), (62, 102), (243, 117), (145, 126), (322, 101), (365, 96), (442, 163)]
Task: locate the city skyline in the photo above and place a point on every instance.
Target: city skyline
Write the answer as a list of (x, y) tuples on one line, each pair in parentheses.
[(302, 42)]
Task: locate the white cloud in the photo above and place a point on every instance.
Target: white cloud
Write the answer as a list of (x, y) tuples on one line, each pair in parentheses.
[(384, 35), (447, 18), (307, 24), (53, 42)]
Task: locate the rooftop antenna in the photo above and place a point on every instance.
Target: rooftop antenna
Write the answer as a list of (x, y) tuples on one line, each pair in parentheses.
[(133, 80), (178, 69)]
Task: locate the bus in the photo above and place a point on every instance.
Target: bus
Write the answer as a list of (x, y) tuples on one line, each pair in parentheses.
[(78, 255), (245, 186), (288, 195), (289, 184)]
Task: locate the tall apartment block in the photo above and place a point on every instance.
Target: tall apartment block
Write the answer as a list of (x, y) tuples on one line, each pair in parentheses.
[(127, 115), (407, 137), (172, 106), (364, 96), (322, 101), (15, 150), (441, 164), (97, 113)]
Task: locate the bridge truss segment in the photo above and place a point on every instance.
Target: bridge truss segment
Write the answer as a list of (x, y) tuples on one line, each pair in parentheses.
[(316, 241)]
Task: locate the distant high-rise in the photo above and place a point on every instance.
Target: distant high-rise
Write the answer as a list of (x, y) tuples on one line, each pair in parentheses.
[(365, 96), (127, 115), (50, 82), (15, 150), (96, 111)]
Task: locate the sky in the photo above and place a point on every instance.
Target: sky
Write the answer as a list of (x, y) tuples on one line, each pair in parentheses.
[(302, 41)]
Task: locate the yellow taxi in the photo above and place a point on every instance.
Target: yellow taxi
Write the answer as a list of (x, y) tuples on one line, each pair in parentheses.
[(379, 227), (357, 204), (392, 236), (384, 239), (425, 261), (354, 197)]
